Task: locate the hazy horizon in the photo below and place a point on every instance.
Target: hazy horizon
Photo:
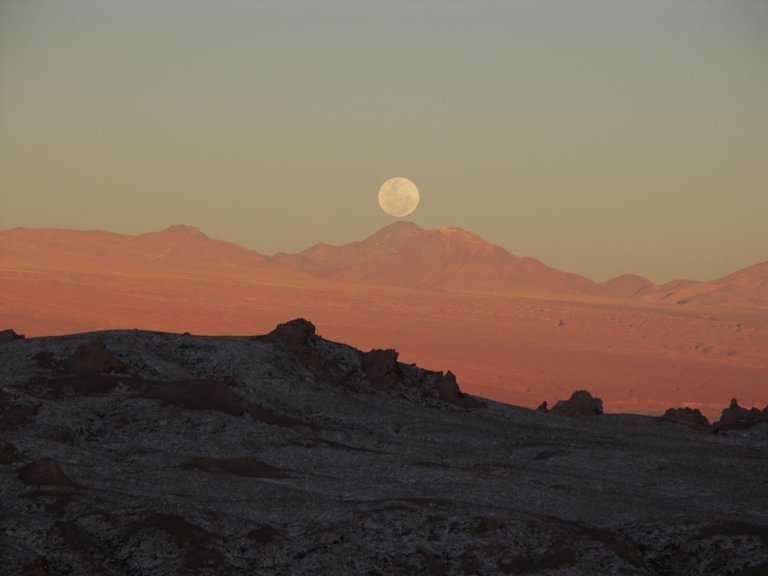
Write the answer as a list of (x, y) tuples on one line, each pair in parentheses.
[(601, 138), (370, 233)]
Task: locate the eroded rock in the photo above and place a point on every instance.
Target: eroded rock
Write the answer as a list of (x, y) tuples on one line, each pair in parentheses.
[(293, 334), (44, 471), (690, 416), (736, 417), (380, 367), (8, 453), (9, 336), (91, 359), (581, 403)]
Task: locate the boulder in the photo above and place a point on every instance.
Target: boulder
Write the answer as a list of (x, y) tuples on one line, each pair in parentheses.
[(44, 471), (92, 358), (581, 403), (295, 334), (8, 453), (690, 416), (380, 367), (9, 336)]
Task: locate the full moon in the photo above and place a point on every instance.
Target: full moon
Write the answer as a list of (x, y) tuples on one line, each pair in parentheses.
[(398, 197)]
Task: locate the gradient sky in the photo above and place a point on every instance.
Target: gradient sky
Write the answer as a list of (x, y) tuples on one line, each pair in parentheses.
[(601, 137)]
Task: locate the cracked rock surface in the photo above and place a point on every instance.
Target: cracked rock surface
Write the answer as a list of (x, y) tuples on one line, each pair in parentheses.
[(131, 452)]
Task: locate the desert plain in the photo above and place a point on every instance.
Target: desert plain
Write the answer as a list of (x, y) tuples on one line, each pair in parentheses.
[(512, 329)]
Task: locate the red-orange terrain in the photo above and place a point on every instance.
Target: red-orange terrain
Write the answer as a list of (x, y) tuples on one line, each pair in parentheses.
[(511, 328)]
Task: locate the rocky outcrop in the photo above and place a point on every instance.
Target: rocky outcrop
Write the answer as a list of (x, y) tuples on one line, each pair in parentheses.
[(44, 472), (91, 359), (296, 334), (581, 403), (8, 453), (690, 416), (383, 371), (736, 417), (217, 397), (13, 413), (9, 336), (380, 367)]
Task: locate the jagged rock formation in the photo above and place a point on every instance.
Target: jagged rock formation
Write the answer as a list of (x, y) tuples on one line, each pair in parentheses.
[(378, 369), (581, 403), (690, 416), (737, 418), (131, 453), (9, 336)]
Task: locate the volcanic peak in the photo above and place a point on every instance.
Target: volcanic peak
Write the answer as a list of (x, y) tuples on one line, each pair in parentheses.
[(185, 229)]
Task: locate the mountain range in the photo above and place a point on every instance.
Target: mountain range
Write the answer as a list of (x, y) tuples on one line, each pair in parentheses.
[(402, 254)]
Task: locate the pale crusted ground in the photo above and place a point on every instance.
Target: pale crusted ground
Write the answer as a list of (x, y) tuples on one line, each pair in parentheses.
[(218, 455)]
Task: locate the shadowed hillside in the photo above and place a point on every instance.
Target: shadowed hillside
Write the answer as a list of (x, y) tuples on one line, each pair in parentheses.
[(134, 452)]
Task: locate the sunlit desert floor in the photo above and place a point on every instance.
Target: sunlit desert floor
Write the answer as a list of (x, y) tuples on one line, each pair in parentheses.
[(638, 357)]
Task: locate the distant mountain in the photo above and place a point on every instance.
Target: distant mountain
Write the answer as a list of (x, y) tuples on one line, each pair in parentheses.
[(401, 254), (447, 259), (177, 251), (628, 285), (744, 288)]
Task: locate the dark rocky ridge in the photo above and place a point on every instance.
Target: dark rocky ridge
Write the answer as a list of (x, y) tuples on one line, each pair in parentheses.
[(129, 452)]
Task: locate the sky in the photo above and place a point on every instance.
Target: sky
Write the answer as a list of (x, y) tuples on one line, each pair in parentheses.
[(601, 137)]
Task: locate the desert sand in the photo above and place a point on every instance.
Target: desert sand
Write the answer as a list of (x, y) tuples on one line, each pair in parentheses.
[(511, 328)]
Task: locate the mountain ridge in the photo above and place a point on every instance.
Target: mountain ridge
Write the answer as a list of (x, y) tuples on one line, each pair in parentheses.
[(401, 254)]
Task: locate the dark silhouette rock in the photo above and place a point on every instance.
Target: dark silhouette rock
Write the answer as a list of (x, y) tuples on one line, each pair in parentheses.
[(448, 391), (736, 417), (196, 546), (74, 536), (92, 358), (44, 472), (8, 453), (9, 336), (380, 367), (265, 535), (581, 403), (35, 565), (295, 334), (13, 414), (691, 416), (383, 371), (543, 407), (219, 397), (488, 524)]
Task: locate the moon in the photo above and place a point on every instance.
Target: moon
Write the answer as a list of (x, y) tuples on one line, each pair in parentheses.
[(398, 197)]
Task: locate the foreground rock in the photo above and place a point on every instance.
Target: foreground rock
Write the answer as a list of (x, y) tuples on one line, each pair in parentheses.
[(288, 454), (377, 369)]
